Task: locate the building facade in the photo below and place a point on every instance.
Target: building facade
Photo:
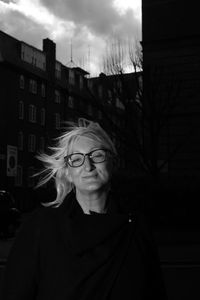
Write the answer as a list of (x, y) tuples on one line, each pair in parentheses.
[(38, 94), (171, 49)]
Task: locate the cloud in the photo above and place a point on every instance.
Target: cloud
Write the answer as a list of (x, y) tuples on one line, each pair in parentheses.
[(22, 28), (95, 22), (87, 24), (100, 17)]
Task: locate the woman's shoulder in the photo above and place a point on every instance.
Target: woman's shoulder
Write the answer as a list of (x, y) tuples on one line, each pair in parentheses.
[(38, 217)]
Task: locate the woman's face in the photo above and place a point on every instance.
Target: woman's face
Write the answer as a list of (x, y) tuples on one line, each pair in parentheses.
[(89, 177)]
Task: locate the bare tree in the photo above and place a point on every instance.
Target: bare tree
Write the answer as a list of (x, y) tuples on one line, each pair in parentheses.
[(149, 100)]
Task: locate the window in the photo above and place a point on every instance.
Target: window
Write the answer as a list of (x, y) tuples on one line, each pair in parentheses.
[(90, 84), (21, 82), (31, 143), (21, 110), (71, 77), (20, 140), (58, 70), (57, 120), (109, 96), (33, 86), (81, 82), (32, 113), (42, 116), (57, 96), (43, 90), (19, 177), (71, 102), (33, 56)]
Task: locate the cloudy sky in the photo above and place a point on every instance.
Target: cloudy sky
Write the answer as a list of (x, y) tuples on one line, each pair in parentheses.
[(87, 25)]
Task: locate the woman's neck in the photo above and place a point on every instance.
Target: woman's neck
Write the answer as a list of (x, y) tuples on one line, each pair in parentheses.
[(92, 201)]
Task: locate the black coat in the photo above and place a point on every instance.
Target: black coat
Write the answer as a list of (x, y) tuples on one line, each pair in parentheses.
[(63, 254)]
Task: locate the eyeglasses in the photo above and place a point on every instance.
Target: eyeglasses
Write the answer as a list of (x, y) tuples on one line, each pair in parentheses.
[(97, 156)]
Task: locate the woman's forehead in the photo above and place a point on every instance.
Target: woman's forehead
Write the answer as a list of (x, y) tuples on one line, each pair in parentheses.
[(85, 143)]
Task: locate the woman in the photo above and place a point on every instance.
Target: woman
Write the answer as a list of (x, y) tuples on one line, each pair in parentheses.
[(86, 244)]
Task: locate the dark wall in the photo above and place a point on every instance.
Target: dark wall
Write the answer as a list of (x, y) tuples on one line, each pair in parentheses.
[(169, 19)]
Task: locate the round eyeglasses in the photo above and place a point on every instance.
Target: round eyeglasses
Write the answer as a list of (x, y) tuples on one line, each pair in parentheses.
[(96, 156)]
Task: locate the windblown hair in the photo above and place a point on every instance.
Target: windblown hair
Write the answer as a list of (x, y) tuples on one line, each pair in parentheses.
[(54, 165)]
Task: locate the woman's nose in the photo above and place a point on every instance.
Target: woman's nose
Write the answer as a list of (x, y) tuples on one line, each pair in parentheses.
[(88, 164)]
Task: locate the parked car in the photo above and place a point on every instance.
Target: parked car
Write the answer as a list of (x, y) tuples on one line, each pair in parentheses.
[(9, 215)]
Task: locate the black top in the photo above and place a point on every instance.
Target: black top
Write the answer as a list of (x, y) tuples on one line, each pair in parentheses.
[(63, 254)]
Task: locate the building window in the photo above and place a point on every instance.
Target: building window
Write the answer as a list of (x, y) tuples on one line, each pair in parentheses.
[(21, 110), (31, 143), (58, 70), (81, 82), (57, 96), (42, 143), (42, 116), (43, 90), (21, 82), (109, 96), (57, 120), (20, 140), (32, 113), (71, 102), (19, 177), (90, 85), (71, 77), (33, 86), (31, 181), (33, 56)]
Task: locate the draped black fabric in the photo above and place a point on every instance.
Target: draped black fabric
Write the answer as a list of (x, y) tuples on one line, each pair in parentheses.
[(64, 254)]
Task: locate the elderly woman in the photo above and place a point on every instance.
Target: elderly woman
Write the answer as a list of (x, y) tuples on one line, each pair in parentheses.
[(86, 244)]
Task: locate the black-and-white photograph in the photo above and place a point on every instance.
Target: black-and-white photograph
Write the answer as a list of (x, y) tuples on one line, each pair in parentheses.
[(99, 150)]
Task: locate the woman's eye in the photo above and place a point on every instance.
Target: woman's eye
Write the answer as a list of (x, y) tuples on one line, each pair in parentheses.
[(76, 159), (98, 155)]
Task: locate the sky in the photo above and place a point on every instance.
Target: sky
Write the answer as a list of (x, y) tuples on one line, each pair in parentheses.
[(81, 29)]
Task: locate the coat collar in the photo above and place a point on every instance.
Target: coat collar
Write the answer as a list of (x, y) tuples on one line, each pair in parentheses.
[(82, 232)]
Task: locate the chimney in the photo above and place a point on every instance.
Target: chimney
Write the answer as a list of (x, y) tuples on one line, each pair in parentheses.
[(49, 48)]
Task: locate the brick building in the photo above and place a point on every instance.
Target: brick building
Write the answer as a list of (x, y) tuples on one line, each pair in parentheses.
[(37, 93)]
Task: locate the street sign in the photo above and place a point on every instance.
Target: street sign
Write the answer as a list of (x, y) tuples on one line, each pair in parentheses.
[(11, 160)]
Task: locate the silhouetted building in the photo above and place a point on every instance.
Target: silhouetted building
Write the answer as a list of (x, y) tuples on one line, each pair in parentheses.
[(116, 95), (37, 93), (171, 49)]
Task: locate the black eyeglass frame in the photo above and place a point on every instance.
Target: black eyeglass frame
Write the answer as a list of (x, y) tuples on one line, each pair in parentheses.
[(89, 154)]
